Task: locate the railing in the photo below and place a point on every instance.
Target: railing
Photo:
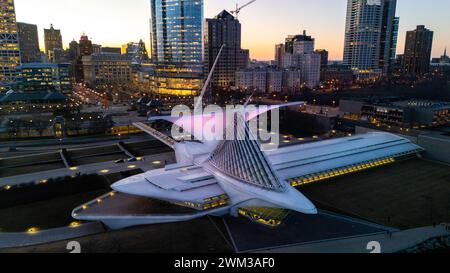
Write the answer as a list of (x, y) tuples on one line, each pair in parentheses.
[(156, 134)]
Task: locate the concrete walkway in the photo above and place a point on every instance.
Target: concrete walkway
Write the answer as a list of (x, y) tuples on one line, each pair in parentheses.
[(390, 243), (22, 239)]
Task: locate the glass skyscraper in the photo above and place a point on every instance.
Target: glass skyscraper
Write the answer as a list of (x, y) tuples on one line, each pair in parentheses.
[(389, 35), (177, 45), (371, 35), (9, 45), (363, 34)]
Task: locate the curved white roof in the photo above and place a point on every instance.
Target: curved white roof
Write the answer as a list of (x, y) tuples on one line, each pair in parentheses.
[(299, 160)]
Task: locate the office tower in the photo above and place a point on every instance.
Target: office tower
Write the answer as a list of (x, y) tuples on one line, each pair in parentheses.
[(323, 57), (9, 45), (44, 77), (363, 34), (389, 35), (136, 52), (102, 69), (279, 55), (299, 54), (300, 44), (418, 48), (370, 35), (52, 38), (177, 45), (29, 43), (269, 80), (225, 30), (86, 46), (74, 51), (73, 57), (58, 55)]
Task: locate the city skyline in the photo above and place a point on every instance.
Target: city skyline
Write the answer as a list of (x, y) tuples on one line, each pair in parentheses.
[(290, 17)]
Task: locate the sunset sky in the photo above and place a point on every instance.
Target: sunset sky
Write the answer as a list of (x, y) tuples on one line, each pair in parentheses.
[(264, 23)]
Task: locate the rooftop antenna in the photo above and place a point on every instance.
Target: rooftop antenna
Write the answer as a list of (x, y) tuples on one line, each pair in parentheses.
[(238, 9)]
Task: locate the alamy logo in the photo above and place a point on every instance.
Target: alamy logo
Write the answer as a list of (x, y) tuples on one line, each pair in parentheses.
[(215, 123), (74, 247)]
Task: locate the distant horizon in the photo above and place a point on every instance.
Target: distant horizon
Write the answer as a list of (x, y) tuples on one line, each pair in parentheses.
[(114, 27)]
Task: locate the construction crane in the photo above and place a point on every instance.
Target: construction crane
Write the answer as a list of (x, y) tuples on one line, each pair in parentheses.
[(238, 9)]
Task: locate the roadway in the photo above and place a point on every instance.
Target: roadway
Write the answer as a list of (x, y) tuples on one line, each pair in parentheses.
[(147, 163), (26, 147)]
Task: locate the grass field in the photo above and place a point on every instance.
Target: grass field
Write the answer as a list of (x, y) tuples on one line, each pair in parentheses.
[(408, 194)]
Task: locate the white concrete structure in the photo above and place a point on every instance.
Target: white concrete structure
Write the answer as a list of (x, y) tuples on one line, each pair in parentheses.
[(218, 177), (238, 178)]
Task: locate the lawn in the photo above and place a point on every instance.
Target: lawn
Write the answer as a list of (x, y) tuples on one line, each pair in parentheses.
[(408, 194)]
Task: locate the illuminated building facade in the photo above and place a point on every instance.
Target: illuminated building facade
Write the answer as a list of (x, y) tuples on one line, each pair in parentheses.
[(29, 43), (106, 69), (44, 77), (177, 45), (363, 34), (9, 45), (371, 35), (224, 29)]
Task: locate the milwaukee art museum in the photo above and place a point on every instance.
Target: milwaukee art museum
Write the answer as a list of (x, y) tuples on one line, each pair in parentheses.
[(234, 176)]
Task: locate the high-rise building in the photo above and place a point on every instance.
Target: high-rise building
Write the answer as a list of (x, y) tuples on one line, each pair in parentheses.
[(73, 57), (44, 77), (269, 80), (225, 30), (279, 55), (177, 45), (58, 55), (106, 69), (52, 38), (299, 54), (323, 57), (370, 35), (363, 34), (29, 43), (418, 46), (300, 44), (9, 45), (74, 51), (86, 46), (136, 52), (389, 36)]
